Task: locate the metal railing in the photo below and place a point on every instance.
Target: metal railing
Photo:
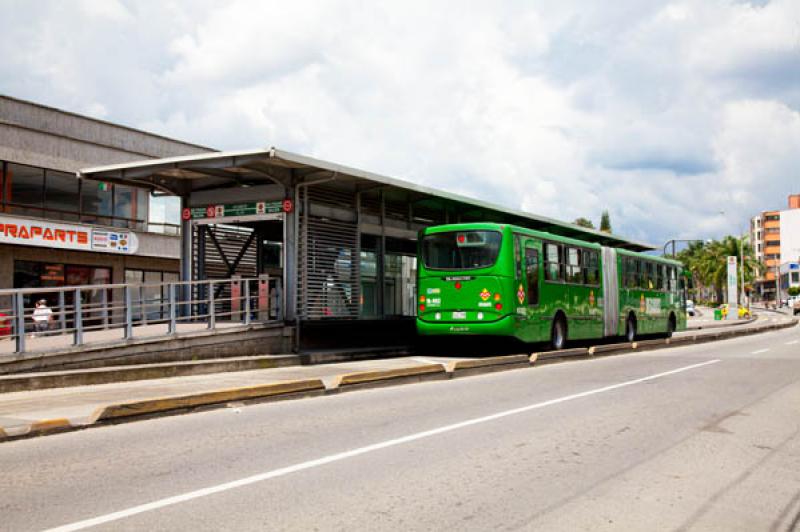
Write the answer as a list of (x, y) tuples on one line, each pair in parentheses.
[(136, 309)]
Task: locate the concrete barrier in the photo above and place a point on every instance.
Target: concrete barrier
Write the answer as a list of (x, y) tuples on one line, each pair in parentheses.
[(462, 368), (547, 357), (62, 379), (389, 377), (611, 349), (656, 343), (165, 404)]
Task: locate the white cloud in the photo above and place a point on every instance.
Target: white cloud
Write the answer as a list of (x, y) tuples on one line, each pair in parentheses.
[(665, 113)]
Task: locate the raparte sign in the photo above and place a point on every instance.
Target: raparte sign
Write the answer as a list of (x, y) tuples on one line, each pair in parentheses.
[(41, 233)]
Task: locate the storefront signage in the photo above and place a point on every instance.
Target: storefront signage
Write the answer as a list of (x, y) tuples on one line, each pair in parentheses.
[(46, 234), (234, 209)]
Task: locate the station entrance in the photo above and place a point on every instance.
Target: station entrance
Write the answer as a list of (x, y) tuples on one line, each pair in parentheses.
[(250, 246)]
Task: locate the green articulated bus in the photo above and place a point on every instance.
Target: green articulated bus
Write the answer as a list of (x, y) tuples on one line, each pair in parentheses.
[(502, 280)]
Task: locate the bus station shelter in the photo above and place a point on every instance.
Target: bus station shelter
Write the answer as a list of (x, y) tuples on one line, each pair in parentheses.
[(338, 243)]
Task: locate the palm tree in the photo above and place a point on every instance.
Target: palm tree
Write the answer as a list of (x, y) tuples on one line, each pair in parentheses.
[(708, 263)]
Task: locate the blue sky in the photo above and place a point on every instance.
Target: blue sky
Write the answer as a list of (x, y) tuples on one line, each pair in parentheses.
[(680, 118)]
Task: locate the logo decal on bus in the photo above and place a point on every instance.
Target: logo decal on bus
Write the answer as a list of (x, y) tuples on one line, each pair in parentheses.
[(485, 294), (520, 294), (591, 298)]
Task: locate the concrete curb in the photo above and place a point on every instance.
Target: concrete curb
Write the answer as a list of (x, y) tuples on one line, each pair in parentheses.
[(165, 404), (549, 357), (388, 377), (722, 325), (464, 368), (612, 349)]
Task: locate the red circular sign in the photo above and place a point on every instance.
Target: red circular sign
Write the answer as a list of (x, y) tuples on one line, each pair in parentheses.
[(186, 214), (287, 205)]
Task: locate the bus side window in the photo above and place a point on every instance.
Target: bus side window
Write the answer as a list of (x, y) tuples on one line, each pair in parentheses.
[(532, 270), (518, 256), (591, 270), (574, 274), (552, 263)]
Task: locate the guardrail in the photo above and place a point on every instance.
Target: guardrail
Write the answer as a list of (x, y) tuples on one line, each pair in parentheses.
[(78, 310)]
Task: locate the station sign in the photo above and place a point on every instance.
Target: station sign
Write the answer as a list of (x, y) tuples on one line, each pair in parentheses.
[(43, 233), (733, 296), (237, 209)]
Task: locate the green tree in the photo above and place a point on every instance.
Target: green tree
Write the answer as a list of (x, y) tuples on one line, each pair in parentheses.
[(605, 222), (793, 290), (584, 222), (708, 263)]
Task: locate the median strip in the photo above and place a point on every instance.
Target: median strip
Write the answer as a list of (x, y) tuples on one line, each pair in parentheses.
[(165, 404), (389, 376)]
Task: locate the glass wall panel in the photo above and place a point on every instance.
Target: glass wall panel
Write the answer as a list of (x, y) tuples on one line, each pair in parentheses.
[(25, 185), (401, 285), (152, 295), (135, 277), (369, 283), (124, 204), (96, 202), (61, 194)]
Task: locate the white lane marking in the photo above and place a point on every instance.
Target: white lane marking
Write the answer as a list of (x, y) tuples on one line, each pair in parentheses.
[(759, 351), (176, 499), (792, 342)]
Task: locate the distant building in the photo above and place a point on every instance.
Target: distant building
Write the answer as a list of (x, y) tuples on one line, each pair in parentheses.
[(776, 242), (58, 230)]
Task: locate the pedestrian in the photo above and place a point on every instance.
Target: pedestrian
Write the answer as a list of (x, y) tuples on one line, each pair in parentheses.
[(42, 315)]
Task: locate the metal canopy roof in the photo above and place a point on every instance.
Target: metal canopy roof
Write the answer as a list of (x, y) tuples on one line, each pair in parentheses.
[(208, 171)]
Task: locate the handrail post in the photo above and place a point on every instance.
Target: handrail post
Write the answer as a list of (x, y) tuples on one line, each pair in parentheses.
[(247, 301), (128, 313), (212, 321), (172, 309), (19, 320), (78, 339), (62, 313), (104, 302)]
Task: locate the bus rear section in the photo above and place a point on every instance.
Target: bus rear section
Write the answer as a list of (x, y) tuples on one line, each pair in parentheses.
[(459, 289)]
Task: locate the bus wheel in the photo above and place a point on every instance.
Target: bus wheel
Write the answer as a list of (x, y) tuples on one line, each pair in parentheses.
[(558, 336), (630, 329)]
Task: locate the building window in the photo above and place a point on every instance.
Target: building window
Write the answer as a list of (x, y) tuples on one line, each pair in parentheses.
[(25, 187), (62, 195), (96, 206)]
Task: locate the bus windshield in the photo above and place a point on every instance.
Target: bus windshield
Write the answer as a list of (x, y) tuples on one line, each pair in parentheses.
[(461, 250)]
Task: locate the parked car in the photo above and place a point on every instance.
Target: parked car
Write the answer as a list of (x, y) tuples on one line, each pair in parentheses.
[(5, 325), (690, 307), (795, 306)]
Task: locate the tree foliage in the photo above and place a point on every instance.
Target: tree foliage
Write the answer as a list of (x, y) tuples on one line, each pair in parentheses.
[(584, 222), (605, 222), (708, 263)]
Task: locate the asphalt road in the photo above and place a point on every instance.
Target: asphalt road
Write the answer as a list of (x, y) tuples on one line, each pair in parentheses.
[(702, 437)]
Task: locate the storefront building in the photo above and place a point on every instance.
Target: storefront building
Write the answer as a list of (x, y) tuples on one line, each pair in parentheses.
[(58, 230)]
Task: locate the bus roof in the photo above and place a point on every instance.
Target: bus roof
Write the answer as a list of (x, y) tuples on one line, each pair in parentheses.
[(492, 226)]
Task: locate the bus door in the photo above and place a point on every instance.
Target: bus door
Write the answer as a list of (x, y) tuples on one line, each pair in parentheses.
[(529, 287)]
